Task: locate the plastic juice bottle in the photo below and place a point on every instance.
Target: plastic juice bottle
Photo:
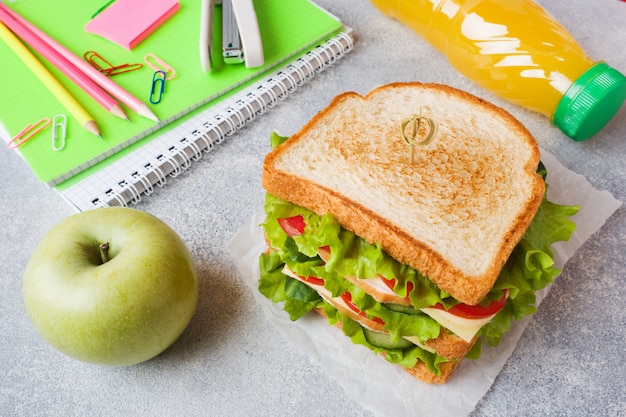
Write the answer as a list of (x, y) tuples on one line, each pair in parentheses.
[(517, 50)]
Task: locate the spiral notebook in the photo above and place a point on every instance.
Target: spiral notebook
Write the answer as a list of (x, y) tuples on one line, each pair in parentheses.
[(197, 112), (142, 167)]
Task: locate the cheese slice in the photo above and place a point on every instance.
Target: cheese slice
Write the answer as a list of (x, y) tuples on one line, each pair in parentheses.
[(466, 329), (377, 284)]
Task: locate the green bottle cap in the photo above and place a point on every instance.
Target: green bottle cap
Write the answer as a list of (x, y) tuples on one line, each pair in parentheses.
[(590, 102)]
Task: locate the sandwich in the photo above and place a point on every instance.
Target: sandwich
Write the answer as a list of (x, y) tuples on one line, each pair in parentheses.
[(413, 218)]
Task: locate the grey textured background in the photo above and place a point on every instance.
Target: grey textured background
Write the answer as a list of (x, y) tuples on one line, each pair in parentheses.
[(231, 361)]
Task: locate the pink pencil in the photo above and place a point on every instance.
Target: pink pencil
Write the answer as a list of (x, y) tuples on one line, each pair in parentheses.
[(114, 89), (56, 59)]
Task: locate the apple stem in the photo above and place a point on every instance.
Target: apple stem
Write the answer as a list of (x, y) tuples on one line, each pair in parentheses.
[(104, 252)]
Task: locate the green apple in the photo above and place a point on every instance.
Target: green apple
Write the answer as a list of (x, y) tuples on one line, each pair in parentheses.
[(112, 286)]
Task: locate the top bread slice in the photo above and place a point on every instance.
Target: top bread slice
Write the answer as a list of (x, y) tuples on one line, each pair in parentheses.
[(454, 210)]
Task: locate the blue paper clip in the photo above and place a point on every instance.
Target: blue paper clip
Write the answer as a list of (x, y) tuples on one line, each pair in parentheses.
[(158, 80), (59, 132), (28, 132)]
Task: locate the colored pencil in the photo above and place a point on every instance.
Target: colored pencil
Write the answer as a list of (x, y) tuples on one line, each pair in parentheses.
[(105, 82), (52, 84), (63, 65)]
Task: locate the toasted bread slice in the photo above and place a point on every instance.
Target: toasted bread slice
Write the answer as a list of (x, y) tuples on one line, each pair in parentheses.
[(454, 210)]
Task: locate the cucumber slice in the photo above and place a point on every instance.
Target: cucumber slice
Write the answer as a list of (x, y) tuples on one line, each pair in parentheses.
[(383, 340), (399, 308)]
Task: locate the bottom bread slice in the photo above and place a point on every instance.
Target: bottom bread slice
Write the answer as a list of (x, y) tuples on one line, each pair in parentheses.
[(420, 370)]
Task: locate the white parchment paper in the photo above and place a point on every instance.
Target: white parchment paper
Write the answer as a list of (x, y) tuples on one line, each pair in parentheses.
[(384, 388)]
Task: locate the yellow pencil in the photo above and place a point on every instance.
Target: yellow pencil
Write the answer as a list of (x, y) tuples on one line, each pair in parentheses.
[(52, 84)]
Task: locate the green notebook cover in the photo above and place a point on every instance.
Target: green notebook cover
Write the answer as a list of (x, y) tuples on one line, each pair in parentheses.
[(287, 28)]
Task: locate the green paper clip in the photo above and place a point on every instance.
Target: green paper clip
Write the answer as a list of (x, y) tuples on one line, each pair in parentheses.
[(59, 132)]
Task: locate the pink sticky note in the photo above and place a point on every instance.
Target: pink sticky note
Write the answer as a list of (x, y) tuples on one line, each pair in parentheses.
[(129, 22)]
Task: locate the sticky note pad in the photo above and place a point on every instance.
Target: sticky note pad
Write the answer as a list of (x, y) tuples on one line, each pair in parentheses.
[(128, 22)]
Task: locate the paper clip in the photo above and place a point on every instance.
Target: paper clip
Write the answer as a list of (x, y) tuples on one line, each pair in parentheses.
[(158, 64), (59, 132), (105, 67), (120, 69), (28, 132), (158, 78)]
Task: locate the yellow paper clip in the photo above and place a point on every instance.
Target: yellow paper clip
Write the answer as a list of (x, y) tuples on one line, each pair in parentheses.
[(59, 132), (158, 80), (28, 132), (158, 64)]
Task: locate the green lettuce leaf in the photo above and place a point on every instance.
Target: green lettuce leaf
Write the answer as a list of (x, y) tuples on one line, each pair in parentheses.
[(273, 285), (530, 267), (276, 139)]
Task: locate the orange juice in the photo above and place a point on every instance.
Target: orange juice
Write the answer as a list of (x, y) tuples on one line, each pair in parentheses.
[(517, 50)]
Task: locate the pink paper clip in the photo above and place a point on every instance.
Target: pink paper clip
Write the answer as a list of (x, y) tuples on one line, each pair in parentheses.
[(28, 132), (158, 64)]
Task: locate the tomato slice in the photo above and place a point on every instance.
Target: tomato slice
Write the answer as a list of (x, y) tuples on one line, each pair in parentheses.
[(477, 311), (347, 298), (293, 226), (313, 280)]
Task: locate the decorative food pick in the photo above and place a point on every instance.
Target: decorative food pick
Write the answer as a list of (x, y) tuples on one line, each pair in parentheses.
[(419, 127)]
